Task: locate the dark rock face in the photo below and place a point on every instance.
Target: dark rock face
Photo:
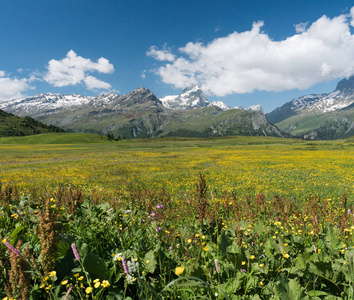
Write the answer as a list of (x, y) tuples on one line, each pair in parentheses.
[(346, 85)]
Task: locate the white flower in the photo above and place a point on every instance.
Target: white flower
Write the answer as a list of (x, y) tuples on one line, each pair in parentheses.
[(130, 279), (117, 256), (132, 266)]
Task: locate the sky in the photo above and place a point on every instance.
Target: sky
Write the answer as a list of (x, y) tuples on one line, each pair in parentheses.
[(240, 52)]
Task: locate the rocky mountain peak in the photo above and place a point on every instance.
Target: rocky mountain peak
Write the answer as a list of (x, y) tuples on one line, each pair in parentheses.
[(139, 96), (191, 97), (346, 85)]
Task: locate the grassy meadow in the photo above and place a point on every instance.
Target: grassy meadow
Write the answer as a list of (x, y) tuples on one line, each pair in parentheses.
[(176, 218)]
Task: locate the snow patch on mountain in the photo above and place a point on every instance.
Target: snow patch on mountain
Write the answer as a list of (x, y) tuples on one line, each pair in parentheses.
[(191, 97), (256, 107), (48, 103), (220, 104)]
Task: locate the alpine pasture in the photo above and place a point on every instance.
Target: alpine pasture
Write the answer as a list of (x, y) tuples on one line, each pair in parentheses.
[(176, 218)]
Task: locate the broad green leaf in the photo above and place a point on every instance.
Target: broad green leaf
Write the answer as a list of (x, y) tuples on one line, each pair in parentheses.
[(223, 242), (150, 261), (315, 293), (95, 266), (289, 289)]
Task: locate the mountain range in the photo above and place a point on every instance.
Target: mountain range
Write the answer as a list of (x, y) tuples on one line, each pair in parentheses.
[(320, 116), (141, 114)]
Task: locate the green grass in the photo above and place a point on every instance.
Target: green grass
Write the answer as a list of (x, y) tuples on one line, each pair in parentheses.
[(145, 200), (55, 138)]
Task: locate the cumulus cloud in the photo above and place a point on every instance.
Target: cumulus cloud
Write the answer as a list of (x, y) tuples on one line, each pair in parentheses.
[(301, 27), (246, 61), (12, 88), (162, 55), (92, 83), (74, 69)]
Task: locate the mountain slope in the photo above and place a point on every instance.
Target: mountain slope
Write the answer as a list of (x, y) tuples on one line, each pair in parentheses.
[(322, 116), (141, 114), (11, 125)]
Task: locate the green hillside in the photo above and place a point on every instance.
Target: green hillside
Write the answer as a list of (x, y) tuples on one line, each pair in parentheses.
[(326, 126), (11, 125), (55, 138)]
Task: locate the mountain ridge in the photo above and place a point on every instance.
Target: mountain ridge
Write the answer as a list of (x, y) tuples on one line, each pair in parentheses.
[(140, 113), (318, 115)]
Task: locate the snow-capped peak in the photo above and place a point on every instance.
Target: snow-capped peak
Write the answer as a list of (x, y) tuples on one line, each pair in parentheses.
[(220, 104), (256, 107), (191, 97)]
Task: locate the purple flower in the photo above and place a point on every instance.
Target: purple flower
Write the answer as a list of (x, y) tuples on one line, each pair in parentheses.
[(243, 270), (12, 248), (158, 229), (125, 266), (153, 214), (217, 266), (160, 206), (170, 247), (77, 256), (68, 292), (349, 211)]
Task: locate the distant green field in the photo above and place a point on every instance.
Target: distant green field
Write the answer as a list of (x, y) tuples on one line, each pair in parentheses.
[(244, 165), (54, 138)]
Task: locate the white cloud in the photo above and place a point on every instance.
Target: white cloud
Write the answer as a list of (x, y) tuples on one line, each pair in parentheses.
[(162, 55), (74, 69), (352, 16), (143, 74), (92, 83), (251, 60), (12, 88), (301, 27)]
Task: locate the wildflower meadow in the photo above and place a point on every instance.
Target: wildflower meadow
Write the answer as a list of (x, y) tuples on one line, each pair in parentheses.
[(233, 218)]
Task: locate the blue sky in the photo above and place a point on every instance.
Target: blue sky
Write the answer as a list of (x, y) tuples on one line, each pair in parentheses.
[(241, 52)]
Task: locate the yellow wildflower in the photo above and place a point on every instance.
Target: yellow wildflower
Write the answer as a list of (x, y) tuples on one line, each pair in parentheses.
[(105, 283), (88, 290), (179, 270), (52, 274)]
